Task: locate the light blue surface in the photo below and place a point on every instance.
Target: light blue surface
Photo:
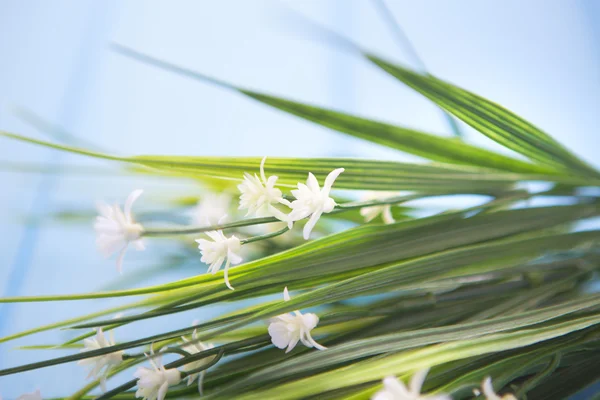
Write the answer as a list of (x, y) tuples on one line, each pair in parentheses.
[(539, 58)]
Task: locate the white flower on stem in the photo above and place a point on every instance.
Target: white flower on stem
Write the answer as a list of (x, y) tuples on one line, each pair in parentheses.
[(193, 348), (372, 212), (154, 383), (258, 194), (287, 330), (211, 209), (100, 366), (30, 396), (489, 393), (311, 201), (394, 389), (115, 229), (221, 249)]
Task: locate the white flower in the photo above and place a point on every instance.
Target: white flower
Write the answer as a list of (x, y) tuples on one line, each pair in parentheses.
[(211, 209), (393, 389), (489, 393), (218, 251), (194, 348), (31, 396), (258, 194), (115, 229), (311, 200), (372, 212), (101, 365), (287, 330), (154, 383)]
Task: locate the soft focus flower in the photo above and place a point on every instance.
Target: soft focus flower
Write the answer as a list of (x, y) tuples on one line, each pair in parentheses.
[(194, 348), (311, 200), (490, 394), (219, 250), (115, 229), (287, 330), (100, 365), (153, 383), (372, 212), (31, 396), (258, 194), (394, 389), (211, 209)]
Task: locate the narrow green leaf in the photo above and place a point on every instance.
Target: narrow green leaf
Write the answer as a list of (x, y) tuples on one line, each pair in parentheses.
[(494, 121)]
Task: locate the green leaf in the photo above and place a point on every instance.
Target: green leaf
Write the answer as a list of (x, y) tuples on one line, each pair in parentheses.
[(429, 146), (411, 141), (494, 121)]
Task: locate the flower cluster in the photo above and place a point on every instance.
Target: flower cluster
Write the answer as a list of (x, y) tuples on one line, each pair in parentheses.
[(154, 383), (193, 347), (286, 330), (394, 389), (259, 197), (116, 228), (100, 366)]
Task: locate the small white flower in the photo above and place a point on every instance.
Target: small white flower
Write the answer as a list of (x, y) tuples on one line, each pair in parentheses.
[(211, 209), (372, 212), (489, 393), (194, 348), (287, 330), (219, 250), (154, 383), (31, 396), (311, 201), (101, 365), (115, 229), (258, 194), (394, 389)]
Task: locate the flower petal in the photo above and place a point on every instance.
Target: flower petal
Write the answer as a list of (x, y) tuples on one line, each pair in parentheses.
[(330, 180), (129, 203)]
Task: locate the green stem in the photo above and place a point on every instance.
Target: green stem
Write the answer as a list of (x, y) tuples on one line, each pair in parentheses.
[(531, 383), (265, 236), (268, 220), (204, 367), (196, 229)]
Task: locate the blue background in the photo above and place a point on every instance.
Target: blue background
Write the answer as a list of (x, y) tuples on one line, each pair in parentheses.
[(539, 58)]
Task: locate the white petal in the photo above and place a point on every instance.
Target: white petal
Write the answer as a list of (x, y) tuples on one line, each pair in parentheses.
[(200, 382), (129, 203), (311, 224), (262, 169), (292, 343), (234, 258), (286, 294), (120, 260), (312, 183), (330, 180), (416, 382), (387, 216), (162, 391), (226, 276), (395, 386)]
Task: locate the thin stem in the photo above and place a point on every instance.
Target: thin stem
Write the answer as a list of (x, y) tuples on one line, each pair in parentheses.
[(196, 229), (406, 45), (176, 350), (204, 367), (269, 220), (529, 384), (265, 236)]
